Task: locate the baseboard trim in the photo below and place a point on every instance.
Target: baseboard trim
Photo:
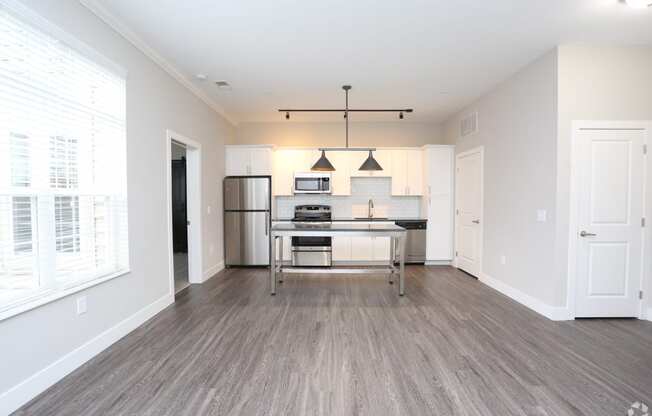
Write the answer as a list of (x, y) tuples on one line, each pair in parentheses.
[(648, 316), (212, 271), (438, 263), (555, 313), (15, 397)]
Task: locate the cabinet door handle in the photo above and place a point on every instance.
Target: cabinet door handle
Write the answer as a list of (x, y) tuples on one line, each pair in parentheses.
[(585, 234)]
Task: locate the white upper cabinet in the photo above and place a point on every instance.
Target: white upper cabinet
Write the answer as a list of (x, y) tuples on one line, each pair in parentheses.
[(288, 161), (415, 172), (248, 160), (341, 177), (407, 172)]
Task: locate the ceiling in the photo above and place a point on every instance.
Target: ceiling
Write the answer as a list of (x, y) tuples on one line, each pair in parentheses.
[(433, 55)]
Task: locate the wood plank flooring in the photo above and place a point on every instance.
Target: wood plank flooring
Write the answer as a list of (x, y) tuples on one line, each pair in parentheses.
[(350, 346)]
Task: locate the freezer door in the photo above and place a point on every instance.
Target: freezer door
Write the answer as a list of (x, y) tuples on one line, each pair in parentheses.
[(242, 193), (246, 238)]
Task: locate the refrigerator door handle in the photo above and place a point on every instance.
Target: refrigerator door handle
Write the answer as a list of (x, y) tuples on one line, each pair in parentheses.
[(267, 223)]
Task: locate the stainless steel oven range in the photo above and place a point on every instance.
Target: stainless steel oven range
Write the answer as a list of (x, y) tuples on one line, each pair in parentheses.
[(311, 251)]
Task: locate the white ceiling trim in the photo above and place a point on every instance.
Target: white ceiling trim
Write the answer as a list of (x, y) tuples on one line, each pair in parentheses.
[(108, 18)]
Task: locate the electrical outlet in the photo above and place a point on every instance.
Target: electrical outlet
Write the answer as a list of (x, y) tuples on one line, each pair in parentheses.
[(542, 215), (503, 260), (81, 305)]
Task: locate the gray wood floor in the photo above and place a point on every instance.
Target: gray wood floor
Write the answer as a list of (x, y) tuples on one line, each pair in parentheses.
[(351, 346)]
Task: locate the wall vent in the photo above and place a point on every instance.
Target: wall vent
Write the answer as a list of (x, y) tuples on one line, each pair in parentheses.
[(469, 124)]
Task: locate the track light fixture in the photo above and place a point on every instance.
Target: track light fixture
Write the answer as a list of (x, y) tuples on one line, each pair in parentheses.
[(323, 164)]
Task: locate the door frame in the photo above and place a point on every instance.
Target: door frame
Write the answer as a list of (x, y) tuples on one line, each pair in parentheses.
[(193, 199), (458, 156), (574, 196)]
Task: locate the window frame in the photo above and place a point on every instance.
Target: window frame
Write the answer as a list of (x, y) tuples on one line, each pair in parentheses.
[(51, 289)]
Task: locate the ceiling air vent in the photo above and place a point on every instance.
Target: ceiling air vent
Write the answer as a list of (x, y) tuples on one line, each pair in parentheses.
[(469, 124)]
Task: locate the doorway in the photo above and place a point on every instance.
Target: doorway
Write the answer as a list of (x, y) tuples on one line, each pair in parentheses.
[(608, 225), (179, 216), (469, 197), (184, 211)]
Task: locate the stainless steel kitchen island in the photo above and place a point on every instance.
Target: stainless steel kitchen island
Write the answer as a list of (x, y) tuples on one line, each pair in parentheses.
[(397, 236)]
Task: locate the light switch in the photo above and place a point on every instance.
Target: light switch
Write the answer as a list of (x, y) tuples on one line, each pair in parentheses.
[(503, 260), (81, 305), (208, 210), (542, 215)]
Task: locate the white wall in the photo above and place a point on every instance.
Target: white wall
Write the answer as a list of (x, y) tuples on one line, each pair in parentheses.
[(600, 83), (518, 129), (36, 339), (291, 133)]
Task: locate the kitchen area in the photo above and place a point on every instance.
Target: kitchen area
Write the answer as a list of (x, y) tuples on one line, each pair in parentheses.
[(271, 187), (414, 190)]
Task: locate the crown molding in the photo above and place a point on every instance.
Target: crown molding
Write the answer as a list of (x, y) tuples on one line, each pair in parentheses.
[(107, 17)]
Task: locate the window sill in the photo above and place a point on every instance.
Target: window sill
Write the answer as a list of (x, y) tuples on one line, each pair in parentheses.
[(47, 296)]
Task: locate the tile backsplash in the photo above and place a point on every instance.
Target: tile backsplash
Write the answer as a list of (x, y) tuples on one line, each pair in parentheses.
[(362, 189)]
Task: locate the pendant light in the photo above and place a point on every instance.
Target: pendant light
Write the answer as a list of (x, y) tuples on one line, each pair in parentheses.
[(370, 164), (323, 164)]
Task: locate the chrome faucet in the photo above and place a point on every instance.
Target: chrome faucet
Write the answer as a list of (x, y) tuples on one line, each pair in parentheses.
[(371, 208)]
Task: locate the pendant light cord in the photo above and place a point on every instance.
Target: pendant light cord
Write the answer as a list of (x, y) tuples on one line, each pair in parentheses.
[(346, 115)]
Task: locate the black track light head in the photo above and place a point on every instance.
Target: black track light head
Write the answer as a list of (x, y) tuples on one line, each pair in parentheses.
[(400, 115), (287, 115)]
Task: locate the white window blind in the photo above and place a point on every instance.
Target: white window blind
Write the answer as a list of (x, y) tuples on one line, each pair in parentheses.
[(63, 196)]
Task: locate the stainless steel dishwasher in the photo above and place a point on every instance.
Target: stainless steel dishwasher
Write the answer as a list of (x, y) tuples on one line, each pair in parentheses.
[(415, 243)]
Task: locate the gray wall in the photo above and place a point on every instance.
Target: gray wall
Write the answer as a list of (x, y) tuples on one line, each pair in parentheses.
[(518, 129), (292, 133), (525, 126), (155, 102), (600, 83)]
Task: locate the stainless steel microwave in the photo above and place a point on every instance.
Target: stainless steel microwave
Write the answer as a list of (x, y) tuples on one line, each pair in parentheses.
[(312, 183)]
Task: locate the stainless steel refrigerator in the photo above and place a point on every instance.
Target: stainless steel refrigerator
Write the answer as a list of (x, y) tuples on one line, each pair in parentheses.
[(247, 220)]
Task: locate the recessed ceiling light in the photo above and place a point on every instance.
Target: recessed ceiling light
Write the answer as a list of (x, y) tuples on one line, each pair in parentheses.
[(639, 4), (201, 77)]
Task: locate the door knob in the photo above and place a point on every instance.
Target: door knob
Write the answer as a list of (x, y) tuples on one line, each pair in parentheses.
[(476, 221), (585, 234)]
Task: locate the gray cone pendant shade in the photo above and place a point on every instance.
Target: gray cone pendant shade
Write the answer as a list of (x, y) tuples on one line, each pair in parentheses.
[(370, 163), (323, 164)]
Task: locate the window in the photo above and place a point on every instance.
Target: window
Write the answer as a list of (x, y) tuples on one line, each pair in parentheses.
[(63, 205)]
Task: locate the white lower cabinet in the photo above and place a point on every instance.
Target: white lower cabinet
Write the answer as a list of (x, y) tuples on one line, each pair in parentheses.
[(361, 248), (341, 248), (380, 248)]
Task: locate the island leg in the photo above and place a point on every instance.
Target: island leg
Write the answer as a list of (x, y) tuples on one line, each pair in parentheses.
[(280, 260), (272, 267), (392, 256), (401, 276)]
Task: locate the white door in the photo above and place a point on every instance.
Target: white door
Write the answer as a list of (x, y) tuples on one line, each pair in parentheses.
[(468, 234), (610, 234)]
